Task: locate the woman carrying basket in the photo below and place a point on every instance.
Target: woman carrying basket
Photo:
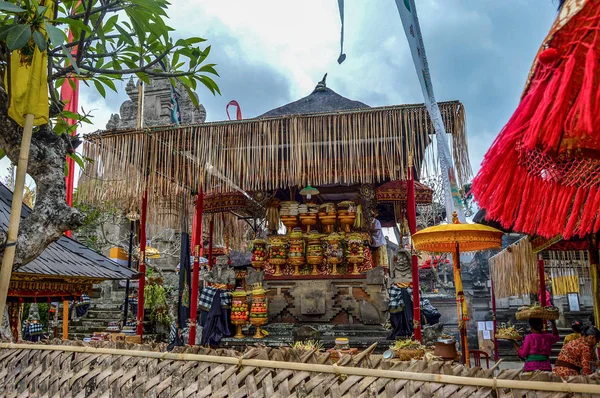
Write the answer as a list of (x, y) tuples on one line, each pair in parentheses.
[(537, 346)]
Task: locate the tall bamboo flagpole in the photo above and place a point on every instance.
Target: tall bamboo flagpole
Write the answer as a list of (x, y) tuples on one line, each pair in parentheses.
[(15, 212), (28, 106)]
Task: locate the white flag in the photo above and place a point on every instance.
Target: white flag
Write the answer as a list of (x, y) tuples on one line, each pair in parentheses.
[(408, 14)]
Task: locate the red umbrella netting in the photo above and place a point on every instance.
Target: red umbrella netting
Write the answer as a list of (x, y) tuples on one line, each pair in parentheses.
[(542, 173)]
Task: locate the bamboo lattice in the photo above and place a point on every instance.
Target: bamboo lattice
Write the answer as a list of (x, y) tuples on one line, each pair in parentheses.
[(125, 370), (366, 146)]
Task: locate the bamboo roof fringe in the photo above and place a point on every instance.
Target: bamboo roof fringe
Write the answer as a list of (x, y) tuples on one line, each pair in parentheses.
[(359, 146), (123, 369), (514, 270)]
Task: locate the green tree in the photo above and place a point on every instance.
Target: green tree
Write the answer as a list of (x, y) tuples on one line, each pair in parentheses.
[(113, 39)]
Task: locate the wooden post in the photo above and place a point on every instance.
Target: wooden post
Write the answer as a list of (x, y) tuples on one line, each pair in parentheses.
[(411, 211), (542, 277), (595, 275), (15, 213), (464, 341), (494, 320), (142, 269), (197, 242), (65, 324)]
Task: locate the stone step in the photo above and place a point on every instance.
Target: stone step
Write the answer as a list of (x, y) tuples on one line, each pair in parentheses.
[(111, 315)]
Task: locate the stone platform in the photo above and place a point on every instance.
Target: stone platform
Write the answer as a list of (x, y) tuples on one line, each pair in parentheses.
[(282, 334)]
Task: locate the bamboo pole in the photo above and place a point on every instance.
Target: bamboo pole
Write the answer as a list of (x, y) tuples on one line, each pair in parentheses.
[(65, 323), (15, 212), (332, 369), (494, 319)]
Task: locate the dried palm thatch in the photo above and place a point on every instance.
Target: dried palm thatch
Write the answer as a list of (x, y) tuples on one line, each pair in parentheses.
[(514, 270), (75, 371), (358, 146), (503, 271)]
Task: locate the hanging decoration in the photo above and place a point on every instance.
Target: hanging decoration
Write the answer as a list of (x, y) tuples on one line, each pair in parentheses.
[(549, 151)]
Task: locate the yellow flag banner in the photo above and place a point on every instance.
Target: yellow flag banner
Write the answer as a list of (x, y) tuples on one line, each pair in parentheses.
[(28, 86), (562, 285)]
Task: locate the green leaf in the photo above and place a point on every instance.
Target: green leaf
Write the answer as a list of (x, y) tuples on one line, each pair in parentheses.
[(4, 31), (143, 77), (110, 23), (10, 7), (108, 82), (208, 68), (57, 36), (192, 96), (2, 153), (100, 88), (77, 159), (18, 37), (41, 10), (125, 35), (74, 24), (71, 60), (40, 40)]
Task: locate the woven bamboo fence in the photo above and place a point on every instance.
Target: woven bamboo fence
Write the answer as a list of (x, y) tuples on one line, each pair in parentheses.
[(126, 370)]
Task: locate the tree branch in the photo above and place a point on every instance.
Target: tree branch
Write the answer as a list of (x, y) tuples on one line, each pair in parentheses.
[(51, 216), (86, 20), (142, 69), (112, 6)]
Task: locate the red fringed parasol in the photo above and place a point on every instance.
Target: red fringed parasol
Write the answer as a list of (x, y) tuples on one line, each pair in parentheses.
[(542, 174), (220, 202), (395, 191)]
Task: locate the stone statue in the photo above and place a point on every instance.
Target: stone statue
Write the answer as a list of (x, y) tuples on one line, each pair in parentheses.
[(222, 273), (401, 270), (157, 106), (254, 277)]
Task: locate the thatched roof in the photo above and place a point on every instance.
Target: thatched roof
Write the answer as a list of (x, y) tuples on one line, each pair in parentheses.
[(344, 143), (66, 257), (322, 99)]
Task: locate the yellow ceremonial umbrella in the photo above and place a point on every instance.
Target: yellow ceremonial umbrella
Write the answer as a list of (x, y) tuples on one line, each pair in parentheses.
[(452, 238)]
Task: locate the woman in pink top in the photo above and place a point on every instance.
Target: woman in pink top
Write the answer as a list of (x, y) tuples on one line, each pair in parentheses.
[(537, 346)]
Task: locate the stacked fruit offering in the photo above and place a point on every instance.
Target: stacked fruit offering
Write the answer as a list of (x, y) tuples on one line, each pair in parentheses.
[(259, 253), (258, 311), (239, 308)]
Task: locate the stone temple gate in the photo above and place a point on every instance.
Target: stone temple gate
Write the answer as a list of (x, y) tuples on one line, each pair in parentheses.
[(157, 101)]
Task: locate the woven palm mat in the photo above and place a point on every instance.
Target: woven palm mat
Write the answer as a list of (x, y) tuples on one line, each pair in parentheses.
[(26, 372)]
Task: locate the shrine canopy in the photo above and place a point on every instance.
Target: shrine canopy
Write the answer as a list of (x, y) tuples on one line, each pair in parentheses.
[(65, 270), (283, 148)]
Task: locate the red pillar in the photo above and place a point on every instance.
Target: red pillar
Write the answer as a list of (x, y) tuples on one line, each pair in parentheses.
[(197, 244), (494, 320), (142, 269), (411, 210), (542, 276), (70, 95)]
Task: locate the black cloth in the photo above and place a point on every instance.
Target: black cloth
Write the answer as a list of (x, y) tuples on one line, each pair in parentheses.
[(185, 279), (402, 320), (175, 337), (430, 313), (215, 324)]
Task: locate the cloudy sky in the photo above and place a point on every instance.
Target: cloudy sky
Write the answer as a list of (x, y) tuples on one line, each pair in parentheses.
[(271, 52)]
